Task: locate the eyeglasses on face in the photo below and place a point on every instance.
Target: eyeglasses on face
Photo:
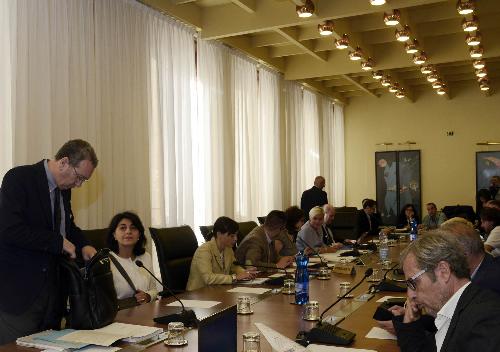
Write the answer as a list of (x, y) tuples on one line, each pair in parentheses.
[(80, 178), (411, 283)]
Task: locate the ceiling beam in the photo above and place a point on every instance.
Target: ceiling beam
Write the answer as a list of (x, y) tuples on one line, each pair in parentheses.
[(268, 39), (247, 5), (356, 83), (291, 35), (317, 86)]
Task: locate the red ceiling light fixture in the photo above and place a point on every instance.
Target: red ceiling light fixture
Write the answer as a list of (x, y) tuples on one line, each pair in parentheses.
[(377, 2), (342, 43), (427, 69), (476, 52), (386, 81), (326, 28), (420, 59), (367, 65), (481, 73), (470, 25), (465, 7), (484, 84), (356, 55), (412, 47), (478, 64), (306, 10), (403, 35), (400, 93), (473, 39), (438, 84), (377, 75), (392, 19), (394, 88)]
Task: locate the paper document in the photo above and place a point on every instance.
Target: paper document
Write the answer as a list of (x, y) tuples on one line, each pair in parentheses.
[(385, 298), (378, 333), (276, 275), (49, 340), (278, 342), (254, 290), (194, 303), (323, 348)]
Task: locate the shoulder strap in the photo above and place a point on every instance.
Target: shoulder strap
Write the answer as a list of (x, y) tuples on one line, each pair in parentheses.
[(122, 271)]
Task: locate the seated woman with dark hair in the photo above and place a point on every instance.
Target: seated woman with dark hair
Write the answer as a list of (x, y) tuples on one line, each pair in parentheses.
[(213, 261), (294, 221), (127, 242), (407, 214)]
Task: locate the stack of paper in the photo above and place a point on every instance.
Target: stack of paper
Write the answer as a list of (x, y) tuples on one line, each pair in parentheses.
[(49, 340)]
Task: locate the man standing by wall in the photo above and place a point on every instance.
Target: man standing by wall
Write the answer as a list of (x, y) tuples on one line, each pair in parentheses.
[(36, 227), (314, 196)]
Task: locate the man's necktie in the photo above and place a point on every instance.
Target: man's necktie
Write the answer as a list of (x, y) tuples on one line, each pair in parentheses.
[(57, 210)]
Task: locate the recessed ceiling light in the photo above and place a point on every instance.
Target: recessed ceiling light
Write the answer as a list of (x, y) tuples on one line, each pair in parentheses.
[(412, 47), (438, 84), (470, 25), (305, 10), (342, 43), (465, 7), (325, 28), (420, 59), (377, 75), (367, 65), (392, 19), (403, 35), (427, 69), (476, 52), (481, 73), (473, 39), (356, 54), (478, 64), (377, 2)]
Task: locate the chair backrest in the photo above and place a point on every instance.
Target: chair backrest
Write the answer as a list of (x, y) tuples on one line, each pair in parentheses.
[(97, 237), (261, 219), (245, 228), (206, 231), (462, 211), (175, 247), (344, 223)]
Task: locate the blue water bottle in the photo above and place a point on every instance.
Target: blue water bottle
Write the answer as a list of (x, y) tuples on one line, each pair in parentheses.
[(413, 230), (301, 279)]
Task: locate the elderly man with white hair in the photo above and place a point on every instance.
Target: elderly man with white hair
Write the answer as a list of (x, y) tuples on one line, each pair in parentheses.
[(310, 235)]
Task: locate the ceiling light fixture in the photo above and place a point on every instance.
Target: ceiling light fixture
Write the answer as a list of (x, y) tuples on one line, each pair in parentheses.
[(476, 52), (470, 25), (367, 65), (403, 35), (484, 84), (377, 75), (400, 93), (465, 7), (392, 19), (325, 28), (305, 10), (481, 73), (432, 78), (420, 59), (386, 81), (473, 39), (394, 88), (377, 2), (441, 91), (427, 69), (412, 47), (342, 43), (438, 84), (356, 54), (478, 64)]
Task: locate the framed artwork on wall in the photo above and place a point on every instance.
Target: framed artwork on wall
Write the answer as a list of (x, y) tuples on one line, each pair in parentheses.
[(487, 166), (397, 183)]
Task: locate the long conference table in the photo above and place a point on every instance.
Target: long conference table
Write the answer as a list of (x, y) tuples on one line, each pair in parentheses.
[(274, 309)]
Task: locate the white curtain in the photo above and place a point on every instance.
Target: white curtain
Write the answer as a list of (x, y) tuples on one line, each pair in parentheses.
[(338, 158)]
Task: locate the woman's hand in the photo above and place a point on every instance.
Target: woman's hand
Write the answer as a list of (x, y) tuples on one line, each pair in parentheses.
[(245, 275), (142, 297)]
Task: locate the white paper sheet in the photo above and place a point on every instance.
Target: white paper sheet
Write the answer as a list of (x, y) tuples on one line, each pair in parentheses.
[(385, 298), (276, 275), (278, 342), (193, 303), (254, 290), (323, 348), (378, 333), (256, 281)]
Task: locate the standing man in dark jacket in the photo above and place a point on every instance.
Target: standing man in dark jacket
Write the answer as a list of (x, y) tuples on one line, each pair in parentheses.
[(36, 228), (314, 196)]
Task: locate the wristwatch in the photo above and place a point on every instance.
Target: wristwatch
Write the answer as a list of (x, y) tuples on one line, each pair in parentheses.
[(233, 276)]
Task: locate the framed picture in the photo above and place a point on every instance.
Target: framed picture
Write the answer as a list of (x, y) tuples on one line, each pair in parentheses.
[(397, 183), (487, 166)]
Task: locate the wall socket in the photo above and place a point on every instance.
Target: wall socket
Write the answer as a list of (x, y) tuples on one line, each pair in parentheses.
[(450, 133)]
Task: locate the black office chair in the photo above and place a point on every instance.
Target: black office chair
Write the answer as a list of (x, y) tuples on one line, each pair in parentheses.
[(206, 232), (344, 223), (175, 247), (245, 228), (97, 237), (462, 211)]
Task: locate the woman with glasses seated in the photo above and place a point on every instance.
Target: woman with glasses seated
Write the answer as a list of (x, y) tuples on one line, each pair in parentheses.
[(407, 214), (213, 261), (126, 239)]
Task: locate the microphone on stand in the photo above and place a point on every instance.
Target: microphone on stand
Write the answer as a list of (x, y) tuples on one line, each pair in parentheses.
[(315, 252), (389, 285), (328, 333), (186, 316)]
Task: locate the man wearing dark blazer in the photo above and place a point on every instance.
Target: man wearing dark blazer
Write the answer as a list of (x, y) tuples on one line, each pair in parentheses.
[(467, 318), (366, 222), (36, 228), (314, 196)]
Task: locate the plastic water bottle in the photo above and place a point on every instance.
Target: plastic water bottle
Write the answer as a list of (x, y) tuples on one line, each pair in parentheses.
[(413, 230), (301, 279), (383, 247)]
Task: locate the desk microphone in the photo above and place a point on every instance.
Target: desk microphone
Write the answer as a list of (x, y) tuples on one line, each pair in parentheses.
[(389, 285), (187, 317), (328, 333), (315, 252)]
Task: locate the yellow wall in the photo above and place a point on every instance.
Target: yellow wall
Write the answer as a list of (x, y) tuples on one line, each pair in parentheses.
[(447, 163)]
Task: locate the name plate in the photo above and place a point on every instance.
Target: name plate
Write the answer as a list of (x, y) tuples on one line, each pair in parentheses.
[(347, 269)]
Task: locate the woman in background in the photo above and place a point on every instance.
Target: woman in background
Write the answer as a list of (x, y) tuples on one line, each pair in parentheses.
[(127, 242), (407, 214), (213, 261)]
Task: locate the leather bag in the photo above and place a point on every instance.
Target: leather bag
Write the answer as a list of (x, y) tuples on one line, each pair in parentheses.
[(91, 293)]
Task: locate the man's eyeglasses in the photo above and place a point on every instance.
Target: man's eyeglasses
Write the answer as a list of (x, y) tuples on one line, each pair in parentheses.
[(79, 178), (411, 282)]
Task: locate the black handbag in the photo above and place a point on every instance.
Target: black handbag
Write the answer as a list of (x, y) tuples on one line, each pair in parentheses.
[(91, 292)]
